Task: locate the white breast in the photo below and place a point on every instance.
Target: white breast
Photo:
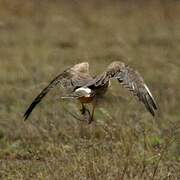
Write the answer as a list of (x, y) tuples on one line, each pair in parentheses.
[(86, 91)]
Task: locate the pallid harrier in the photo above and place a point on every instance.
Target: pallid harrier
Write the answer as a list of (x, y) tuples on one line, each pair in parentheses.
[(87, 89)]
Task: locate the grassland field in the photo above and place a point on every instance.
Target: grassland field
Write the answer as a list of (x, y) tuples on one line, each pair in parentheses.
[(38, 40)]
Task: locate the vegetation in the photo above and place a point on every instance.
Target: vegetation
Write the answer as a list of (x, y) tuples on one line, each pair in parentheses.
[(38, 40)]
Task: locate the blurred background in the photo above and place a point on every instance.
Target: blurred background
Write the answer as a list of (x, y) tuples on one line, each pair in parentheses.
[(39, 39)]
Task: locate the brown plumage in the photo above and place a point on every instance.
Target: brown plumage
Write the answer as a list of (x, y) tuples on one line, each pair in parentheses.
[(88, 90)]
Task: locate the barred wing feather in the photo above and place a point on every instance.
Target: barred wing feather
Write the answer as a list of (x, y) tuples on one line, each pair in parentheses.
[(130, 79), (74, 77)]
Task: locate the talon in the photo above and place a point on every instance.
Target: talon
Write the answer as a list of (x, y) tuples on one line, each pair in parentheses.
[(90, 120), (83, 109)]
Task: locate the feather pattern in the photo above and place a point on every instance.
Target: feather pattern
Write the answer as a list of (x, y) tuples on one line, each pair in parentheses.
[(71, 78), (85, 88), (129, 79)]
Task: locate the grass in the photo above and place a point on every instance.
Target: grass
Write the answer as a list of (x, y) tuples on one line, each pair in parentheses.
[(38, 40)]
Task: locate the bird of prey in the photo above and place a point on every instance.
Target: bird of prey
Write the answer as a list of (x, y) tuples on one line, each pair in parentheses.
[(88, 89)]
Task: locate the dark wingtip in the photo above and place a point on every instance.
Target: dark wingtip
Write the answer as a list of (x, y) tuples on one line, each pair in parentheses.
[(36, 101), (149, 104), (154, 104), (26, 114), (31, 107), (43, 93), (25, 117), (29, 110), (149, 101)]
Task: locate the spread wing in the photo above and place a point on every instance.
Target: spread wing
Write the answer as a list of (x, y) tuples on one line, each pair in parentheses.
[(73, 77), (129, 79)]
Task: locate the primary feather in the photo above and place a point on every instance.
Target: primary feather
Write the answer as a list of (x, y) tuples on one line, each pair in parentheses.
[(130, 79), (73, 77)]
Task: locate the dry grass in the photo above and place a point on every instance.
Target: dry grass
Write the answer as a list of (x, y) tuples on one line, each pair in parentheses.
[(39, 39)]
